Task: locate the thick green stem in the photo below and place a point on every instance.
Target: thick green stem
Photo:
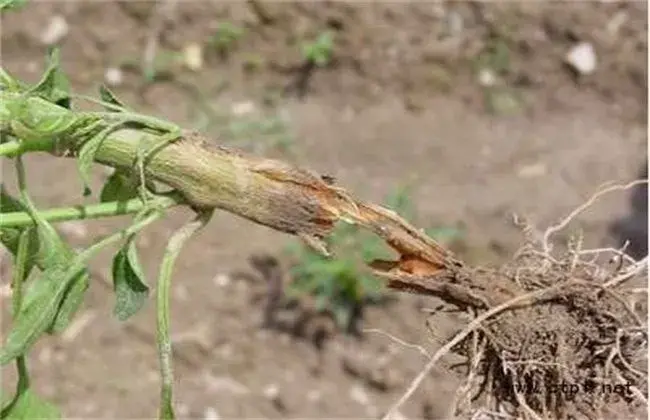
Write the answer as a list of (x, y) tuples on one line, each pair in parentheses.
[(93, 211)]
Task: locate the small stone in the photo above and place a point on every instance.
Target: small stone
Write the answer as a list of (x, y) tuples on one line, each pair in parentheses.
[(271, 391), (531, 171), (359, 395), (193, 56), (582, 58), (221, 280), (314, 395), (243, 108), (55, 31), (211, 413), (396, 415), (616, 22), (486, 78), (455, 24), (114, 76), (89, 408), (182, 410)]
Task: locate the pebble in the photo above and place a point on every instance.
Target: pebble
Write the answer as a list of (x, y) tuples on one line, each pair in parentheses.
[(314, 395), (182, 410), (486, 78), (114, 76), (221, 280), (359, 395), (211, 413), (56, 30), (582, 58), (616, 22), (455, 24), (271, 391), (243, 108), (193, 56), (531, 171)]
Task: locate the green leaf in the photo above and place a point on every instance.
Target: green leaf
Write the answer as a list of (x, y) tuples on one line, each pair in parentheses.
[(11, 4), (108, 96), (120, 186), (131, 291), (71, 303), (42, 240), (38, 312), (35, 121), (29, 406), (45, 296), (54, 85)]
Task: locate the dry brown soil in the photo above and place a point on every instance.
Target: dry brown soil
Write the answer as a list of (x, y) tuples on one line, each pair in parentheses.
[(400, 101)]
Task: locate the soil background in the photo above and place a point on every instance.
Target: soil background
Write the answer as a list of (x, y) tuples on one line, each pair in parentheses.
[(405, 99)]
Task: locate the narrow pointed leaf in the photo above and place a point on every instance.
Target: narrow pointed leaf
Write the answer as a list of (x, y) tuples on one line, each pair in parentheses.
[(71, 303), (54, 85), (108, 96), (39, 310)]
